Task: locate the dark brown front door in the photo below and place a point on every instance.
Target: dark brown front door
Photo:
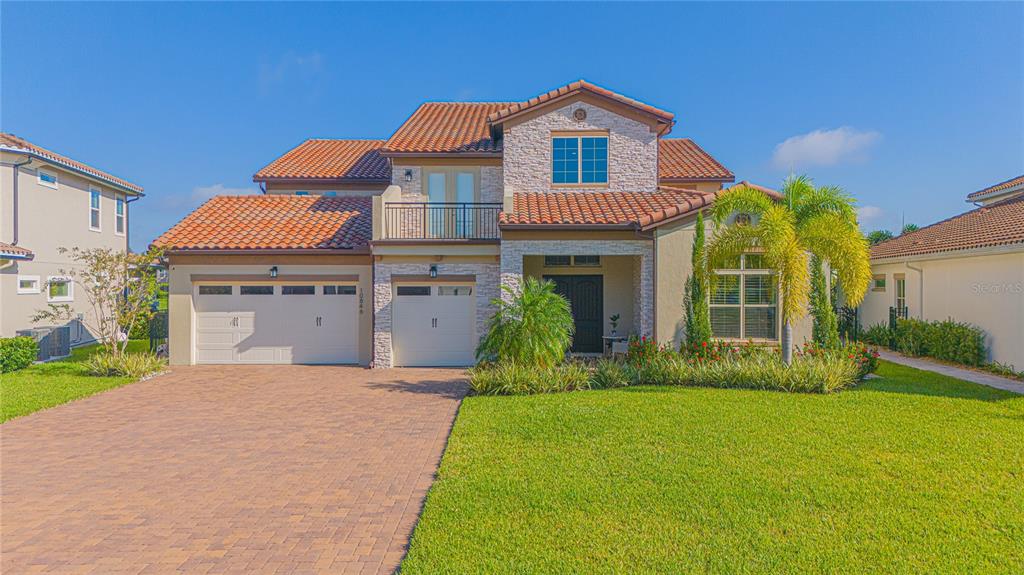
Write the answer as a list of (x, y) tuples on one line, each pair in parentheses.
[(586, 299)]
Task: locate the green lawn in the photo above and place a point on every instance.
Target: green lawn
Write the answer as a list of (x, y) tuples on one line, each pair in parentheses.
[(45, 385), (911, 473)]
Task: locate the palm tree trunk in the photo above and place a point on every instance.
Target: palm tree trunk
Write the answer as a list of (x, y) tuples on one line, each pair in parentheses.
[(787, 343)]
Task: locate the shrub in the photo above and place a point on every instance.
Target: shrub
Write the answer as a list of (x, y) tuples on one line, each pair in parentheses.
[(948, 340), (811, 374), (643, 349), (511, 378), (608, 374), (133, 365), (17, 353), (1004, 370), (865, 358), (718, 350), (878, 334), (533, 327)]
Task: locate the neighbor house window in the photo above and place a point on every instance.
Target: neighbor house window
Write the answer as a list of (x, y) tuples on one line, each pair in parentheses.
[(744, 301), (579, 160), (901, 291), (47, 178), (28, 284), (878, 283), (59, 289), (119, 213), (94, 209)]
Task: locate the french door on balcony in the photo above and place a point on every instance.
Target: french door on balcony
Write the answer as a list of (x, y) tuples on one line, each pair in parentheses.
[(456, 188)]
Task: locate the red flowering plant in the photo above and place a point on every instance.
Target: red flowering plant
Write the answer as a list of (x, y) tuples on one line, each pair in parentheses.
[(643, 350), (865, 357), (716, 350)]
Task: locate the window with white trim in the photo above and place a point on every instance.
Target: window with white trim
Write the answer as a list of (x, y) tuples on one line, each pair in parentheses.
[(47, 178), (28, 284), (94, 209), (119, 215), (744, 301), (59, 289), (901, 291)]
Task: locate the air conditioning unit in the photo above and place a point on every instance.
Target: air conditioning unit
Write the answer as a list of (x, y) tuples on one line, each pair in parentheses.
[(54, 342)]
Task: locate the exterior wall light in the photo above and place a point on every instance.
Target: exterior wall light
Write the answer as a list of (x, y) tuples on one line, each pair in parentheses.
[(408, 175), (433, 271), (273, 272)]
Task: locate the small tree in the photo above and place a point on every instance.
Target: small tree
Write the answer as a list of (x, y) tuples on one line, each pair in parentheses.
[(826, 326), (120, 288), (907, 228), (533, 326), (695, 298), (879, 236)]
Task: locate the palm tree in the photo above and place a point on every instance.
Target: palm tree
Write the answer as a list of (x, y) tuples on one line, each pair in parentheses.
[(805, 220)]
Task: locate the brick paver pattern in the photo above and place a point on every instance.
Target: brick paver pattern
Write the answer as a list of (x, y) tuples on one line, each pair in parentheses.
[(218, 469)]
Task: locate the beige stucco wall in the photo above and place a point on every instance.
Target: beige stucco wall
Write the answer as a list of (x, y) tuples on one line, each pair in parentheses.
[(985, 290), (632, 150), (181, 309), (49, 219), (617, 289)]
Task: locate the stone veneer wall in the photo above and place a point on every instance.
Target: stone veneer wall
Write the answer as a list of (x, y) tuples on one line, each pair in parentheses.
[(632, 151), (487, 288), (491, 183), (512, 252)]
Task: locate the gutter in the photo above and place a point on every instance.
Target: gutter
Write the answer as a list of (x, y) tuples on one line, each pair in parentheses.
[(71, 168), (28, 160)]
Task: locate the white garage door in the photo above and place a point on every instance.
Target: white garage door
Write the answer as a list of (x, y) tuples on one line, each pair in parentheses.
[(309, 323), (433, 325)]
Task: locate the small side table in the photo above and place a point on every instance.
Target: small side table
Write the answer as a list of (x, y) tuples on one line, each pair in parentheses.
[(610, 341)]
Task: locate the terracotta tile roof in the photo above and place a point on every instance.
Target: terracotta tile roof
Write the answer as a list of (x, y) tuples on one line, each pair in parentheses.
[(273, 222), (358, 160), (575, 88), (1002, 186), (10, 142), (16, 252), (997, 224), (683, 159), (745, 184), (446, 127), (639, 209)]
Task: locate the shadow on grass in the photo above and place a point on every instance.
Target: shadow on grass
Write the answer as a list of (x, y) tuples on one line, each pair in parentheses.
[(929, 386)]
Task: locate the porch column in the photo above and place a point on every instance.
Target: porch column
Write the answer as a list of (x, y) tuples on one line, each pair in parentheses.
[(511, 266), (643, 292)]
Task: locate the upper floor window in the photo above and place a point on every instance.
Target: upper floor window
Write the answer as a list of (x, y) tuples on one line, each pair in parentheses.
[(47, 178), (579, 160), (119, 214), (94, 209)]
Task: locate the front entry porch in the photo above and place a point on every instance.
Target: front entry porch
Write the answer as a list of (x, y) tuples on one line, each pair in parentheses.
[(600, 278)]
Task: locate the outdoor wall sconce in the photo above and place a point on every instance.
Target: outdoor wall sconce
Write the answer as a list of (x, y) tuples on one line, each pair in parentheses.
[(273, 272), (408, 175), (433, 272)]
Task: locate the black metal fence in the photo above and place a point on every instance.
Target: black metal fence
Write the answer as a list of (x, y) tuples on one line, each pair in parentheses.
[(895, 313), (849, 323), (157, 330), (441, 221)]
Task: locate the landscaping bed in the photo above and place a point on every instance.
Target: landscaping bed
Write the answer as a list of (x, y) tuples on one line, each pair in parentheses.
[(909, 472)]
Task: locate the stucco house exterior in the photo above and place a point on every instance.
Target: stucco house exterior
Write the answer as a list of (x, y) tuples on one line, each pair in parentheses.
[(49, 201), (969, 267), (390, 252)]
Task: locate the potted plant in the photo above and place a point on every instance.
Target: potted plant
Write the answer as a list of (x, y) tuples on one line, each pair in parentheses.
[(615, 323)]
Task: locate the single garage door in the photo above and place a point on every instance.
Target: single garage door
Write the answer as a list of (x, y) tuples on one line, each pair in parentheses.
[(433, 325), (276, 323)]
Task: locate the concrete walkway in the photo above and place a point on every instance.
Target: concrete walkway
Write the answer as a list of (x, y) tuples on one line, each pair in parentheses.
[(981, 378)]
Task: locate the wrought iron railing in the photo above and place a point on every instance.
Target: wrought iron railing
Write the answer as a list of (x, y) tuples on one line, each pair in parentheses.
[(441, 221), (895, 313)]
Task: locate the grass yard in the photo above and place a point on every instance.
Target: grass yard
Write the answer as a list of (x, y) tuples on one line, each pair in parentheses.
[(914, 472), (45, 385)]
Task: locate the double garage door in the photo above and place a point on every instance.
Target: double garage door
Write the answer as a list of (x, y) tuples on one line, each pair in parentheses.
[(433, 325), (314, 323)]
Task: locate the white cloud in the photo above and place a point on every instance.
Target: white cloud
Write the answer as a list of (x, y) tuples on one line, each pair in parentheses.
[(868, 213), (824, 148), (291, 67)]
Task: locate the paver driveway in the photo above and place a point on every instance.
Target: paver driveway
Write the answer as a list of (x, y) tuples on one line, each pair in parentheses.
[(227, 469)]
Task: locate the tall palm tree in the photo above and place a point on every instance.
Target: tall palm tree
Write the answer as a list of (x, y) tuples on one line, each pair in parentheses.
[(805, 220)]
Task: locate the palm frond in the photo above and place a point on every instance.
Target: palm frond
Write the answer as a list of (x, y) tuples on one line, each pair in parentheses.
[(826, 199), (740, 199), (839, 241)]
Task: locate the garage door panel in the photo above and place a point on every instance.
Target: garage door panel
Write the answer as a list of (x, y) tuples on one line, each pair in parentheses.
[(434, 329)]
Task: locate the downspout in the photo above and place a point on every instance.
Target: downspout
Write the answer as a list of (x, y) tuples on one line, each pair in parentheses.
[(14, 189), (920, 288)]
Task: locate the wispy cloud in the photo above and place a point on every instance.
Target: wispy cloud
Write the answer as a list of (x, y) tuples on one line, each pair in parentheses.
[(824, 148), (291, 67), (202, 193), (868, 213)]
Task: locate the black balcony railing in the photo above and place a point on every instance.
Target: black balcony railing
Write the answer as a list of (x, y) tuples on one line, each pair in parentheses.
[(441, 221)]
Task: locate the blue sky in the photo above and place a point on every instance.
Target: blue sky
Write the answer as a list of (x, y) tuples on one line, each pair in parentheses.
[(907, 106)]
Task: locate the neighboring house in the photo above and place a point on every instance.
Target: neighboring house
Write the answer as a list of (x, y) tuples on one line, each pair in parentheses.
[(390, 252), (969, 268), (49, 201)]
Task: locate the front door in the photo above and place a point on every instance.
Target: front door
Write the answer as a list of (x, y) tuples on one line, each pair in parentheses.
[(586, 299)]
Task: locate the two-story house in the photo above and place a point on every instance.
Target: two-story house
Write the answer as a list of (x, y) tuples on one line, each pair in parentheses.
[(391, 252), (49, 201)]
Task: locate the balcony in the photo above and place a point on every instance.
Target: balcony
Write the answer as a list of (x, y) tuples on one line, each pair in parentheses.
[(440, 221)]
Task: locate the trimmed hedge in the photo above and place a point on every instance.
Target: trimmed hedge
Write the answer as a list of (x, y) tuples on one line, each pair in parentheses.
[(17, 353), (947, 340)]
